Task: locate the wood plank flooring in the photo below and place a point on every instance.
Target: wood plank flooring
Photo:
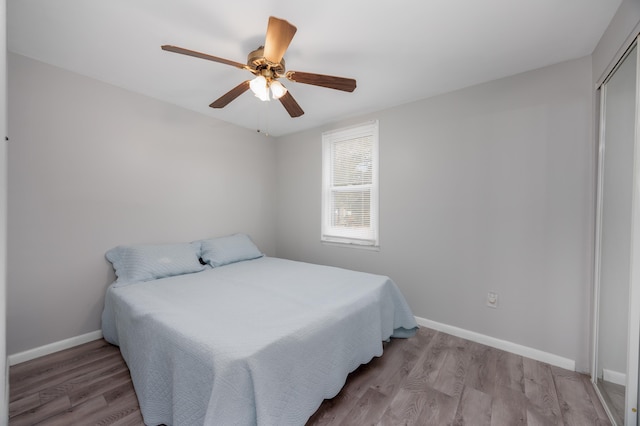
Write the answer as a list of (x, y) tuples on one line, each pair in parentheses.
[(430, 379)]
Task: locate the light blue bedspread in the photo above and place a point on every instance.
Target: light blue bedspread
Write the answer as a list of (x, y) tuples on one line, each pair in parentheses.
[(260, 342)]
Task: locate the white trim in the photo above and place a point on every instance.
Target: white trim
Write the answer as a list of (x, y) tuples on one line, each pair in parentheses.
[(504, 345), (350, 245), (354, 237), (354, 130), (598, 237), (515, 348), (34, 353), (633, 331), (617, 58), (614, 377)]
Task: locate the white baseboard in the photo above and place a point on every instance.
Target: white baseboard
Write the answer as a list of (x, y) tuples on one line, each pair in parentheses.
[(504, 345), (515, 348), (53, 347), (614, 377)]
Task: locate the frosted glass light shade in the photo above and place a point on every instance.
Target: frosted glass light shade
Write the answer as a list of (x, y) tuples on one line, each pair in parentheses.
[(277, 89), (259, 87)]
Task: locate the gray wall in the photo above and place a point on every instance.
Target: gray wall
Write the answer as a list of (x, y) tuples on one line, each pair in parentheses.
[(92, 166), (487, 188)]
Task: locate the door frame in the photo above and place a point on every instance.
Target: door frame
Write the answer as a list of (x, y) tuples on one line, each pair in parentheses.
[(633, 329)]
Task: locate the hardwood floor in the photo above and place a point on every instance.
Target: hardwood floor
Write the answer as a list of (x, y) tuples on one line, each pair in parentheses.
[(430, 379)]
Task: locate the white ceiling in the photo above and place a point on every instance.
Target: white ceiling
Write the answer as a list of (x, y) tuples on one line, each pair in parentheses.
[(398, 51)]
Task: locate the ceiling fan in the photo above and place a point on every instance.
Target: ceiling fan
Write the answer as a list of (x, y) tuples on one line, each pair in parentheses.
[(267, 64)]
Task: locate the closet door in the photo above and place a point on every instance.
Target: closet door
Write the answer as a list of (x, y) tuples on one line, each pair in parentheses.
[(618, 244)]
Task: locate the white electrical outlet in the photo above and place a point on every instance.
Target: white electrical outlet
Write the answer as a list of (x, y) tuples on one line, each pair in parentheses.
[(492, 299)]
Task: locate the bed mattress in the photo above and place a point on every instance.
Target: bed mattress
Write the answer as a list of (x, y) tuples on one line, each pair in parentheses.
[(259, 342)]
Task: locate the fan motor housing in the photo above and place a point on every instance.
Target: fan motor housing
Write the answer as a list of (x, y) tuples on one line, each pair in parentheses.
[(257, 61)]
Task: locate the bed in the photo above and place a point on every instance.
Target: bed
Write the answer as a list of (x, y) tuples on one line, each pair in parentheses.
[(255, 341)]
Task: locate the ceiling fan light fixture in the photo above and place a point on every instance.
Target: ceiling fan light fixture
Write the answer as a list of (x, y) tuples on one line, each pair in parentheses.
[(260, 88), (277, 89), (266, 63)]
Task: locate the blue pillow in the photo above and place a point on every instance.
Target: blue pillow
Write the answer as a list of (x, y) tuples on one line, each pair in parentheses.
[(233, 248), (149, 262)]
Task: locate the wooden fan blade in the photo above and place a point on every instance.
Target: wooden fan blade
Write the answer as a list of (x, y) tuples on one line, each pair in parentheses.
[(338, 83), (223, 100), (291, 105), (279, 35), (193, 53)]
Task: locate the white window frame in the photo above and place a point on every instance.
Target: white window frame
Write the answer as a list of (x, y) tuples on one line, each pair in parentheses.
[(348, 236)]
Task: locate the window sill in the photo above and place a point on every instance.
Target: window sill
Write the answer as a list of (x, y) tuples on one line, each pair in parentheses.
[(350, 245)]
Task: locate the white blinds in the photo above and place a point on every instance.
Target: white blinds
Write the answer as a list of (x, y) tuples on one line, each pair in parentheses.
[(350, 185)]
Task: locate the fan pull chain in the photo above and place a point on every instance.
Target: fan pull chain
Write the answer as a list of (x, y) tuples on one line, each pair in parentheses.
[(265, 107)]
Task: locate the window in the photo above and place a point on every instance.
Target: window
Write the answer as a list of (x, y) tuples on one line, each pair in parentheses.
[(350, 185)]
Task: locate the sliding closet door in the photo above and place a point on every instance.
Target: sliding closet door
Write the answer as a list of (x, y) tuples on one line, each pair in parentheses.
[(618, 243)]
